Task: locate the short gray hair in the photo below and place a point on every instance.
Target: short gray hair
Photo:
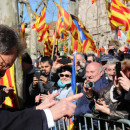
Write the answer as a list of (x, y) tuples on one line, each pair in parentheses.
[(112, 62), (80, 53)]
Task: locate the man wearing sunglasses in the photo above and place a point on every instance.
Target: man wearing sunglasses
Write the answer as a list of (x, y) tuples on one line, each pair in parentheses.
[(38, 118)]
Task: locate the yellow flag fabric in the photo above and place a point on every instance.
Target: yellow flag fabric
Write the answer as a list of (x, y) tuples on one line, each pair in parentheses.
[(128, 36), (22, 31), (120, 15), (8, 80)]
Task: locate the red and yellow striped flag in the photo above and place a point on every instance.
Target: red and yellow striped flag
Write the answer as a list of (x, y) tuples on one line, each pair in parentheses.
[(22, 31), (108, 7), (128, 36), (41, 27), (93, 1), (68, 23), (40, 21), (61, 28), (65, 48), (120, 15), (47, 48), (8, 80), (43, 34)]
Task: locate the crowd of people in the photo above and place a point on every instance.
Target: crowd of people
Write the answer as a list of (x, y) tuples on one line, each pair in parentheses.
[(47, 88)]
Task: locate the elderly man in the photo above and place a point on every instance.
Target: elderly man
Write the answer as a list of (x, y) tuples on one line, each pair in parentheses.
[(111, 69), (38, 118), (94, 73)]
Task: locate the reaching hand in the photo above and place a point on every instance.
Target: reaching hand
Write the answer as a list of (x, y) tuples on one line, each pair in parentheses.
[(101, 106), (124, 82), (8, 90), (65, 107), (48, 102)]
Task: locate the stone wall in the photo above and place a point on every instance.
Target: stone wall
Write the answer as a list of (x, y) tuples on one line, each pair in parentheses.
[(94, 17)]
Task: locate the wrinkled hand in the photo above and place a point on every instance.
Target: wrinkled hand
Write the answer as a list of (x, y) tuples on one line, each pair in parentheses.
[(103, 107), (124, 82), (8, 90), (65, 107), (48, 102)]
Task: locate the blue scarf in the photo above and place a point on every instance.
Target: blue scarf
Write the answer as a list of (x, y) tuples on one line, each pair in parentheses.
[(61, 85)]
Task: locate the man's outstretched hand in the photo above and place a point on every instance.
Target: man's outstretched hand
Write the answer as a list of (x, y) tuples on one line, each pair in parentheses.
[(65, 107)]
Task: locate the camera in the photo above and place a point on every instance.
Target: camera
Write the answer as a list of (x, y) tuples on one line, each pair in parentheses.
[(38, 73), (89, 84), (64, 60)]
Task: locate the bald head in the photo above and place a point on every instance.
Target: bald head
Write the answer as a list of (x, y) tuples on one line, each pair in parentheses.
[(93, 71)]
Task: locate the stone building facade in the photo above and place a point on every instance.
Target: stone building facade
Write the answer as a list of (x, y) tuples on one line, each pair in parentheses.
[(95, 18)]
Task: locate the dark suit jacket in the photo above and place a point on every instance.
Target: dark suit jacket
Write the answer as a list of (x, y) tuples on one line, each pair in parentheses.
[(27, 119)]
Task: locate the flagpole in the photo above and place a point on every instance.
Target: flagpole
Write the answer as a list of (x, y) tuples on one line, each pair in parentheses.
[(55, 32), (97, 22)]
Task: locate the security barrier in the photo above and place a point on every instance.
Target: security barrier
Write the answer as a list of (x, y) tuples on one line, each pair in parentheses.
[(89, 122)]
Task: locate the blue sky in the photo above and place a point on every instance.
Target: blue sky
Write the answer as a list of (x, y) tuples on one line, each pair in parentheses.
[(51, 13)]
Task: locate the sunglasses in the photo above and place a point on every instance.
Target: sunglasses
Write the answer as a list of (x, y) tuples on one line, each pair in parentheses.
[(66, 75)]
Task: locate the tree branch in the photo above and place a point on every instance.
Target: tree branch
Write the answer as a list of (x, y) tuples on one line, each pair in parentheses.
[(39, 5), (21, 14)]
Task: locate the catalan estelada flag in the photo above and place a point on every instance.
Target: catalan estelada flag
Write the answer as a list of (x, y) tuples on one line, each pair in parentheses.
[(8, 80), (120, 15), (86, 40), (68, 23), (22, 30), (93, 1)]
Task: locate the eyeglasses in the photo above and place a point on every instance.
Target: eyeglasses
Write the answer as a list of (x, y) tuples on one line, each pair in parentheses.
[(66, 75), (3, 65)]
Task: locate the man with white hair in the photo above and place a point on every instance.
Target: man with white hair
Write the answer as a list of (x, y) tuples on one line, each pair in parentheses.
[(94, 74), (111, 69)]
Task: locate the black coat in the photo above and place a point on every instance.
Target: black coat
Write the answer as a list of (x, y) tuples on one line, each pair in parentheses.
[(27, 119)]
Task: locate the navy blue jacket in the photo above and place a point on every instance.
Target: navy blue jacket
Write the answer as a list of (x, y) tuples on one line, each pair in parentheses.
[(83, 102)]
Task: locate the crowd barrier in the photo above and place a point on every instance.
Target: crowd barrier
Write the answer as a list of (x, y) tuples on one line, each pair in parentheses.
[(86, 122)]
